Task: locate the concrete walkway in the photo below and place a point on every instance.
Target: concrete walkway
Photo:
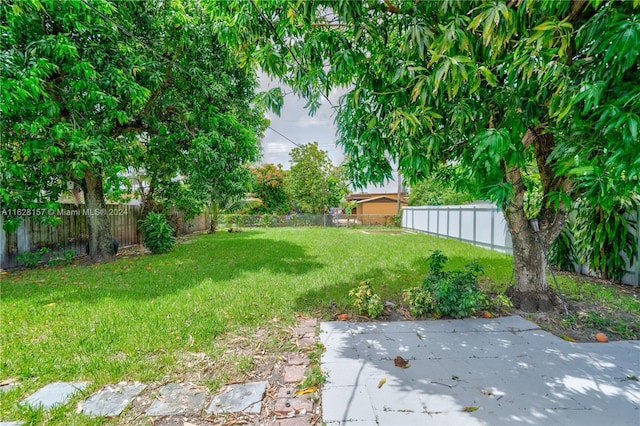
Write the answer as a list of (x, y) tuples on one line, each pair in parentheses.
[(501, 371)]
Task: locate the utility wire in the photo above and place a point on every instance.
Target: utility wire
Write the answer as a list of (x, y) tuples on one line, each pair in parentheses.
[(284, 136)]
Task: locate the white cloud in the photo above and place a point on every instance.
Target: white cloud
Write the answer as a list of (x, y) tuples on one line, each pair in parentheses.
[(296, 124)]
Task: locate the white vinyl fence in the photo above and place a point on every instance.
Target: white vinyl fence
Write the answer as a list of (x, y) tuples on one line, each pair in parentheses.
[(484, 225), (481, 225)]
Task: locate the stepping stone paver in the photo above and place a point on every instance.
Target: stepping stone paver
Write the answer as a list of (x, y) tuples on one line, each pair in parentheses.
[(111, 400), (8, 387), (292, 421), (177, 398), (288, 402), (302, 332), (18, 423), (294, 358), (242, 397), (53, 394), (306, 342), (294, 373)]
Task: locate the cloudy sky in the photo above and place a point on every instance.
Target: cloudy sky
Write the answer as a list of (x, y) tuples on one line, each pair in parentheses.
[(296, 126)]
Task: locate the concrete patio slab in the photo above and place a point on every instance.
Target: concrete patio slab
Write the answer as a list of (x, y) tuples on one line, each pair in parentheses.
[(475, 372)]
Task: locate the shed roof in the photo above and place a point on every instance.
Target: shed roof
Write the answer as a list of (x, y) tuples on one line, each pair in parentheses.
[(382, 198)]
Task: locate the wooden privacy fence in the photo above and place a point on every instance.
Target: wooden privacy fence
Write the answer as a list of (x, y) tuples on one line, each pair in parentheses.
[(71, 232), (485, 226)]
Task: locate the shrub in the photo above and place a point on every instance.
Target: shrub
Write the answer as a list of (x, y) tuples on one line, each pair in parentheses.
[(419, 301), (159, 235), (603, 233), (499, 303), (30, 259), (58, 260), (446, 293), (562, 252), (366, 301)]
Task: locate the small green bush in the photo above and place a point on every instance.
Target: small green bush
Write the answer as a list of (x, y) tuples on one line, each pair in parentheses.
[(499, 303), (159, 235), (366, 301), (419, 301), (30, 259), (58, 260), (446, 293)]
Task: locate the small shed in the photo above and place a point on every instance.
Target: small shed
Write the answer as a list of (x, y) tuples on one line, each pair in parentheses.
[(382, 205)]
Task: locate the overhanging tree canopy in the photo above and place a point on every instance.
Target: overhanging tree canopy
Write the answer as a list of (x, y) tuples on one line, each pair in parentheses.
[(489, 85), (92, 87)]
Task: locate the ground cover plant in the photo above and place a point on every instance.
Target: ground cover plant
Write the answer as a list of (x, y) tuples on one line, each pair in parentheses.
[(213, 308)]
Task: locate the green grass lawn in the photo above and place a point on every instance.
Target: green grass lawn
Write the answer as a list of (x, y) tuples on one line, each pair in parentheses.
[(142, 318)]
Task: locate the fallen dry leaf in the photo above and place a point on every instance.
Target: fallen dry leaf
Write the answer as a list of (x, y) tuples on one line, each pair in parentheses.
[(470, 409), (382, 382), (401, 362), (310, 389)]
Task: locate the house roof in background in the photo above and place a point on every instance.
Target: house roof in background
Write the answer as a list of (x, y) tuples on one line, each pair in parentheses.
[(365, 195), (393, 199)]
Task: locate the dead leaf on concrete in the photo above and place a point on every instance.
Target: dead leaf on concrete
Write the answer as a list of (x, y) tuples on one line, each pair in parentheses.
[(401, 362), (470, 409), (382, 382)]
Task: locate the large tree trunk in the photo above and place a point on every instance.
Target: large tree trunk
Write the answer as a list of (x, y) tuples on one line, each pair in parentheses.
[(100, 239), (530, 291)]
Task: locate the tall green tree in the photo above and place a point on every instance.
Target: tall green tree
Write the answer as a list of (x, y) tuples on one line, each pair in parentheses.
[(314, 184), (269, 186), (444, 186), (93, 87), (489, 85)]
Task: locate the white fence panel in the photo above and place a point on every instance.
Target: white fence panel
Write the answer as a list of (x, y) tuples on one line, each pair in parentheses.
[(485, 226), (481, 225)]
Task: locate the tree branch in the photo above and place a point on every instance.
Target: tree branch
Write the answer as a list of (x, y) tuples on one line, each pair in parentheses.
[(551, 219), (527, 138), (515, 208), (135, 127), (156, 94), (576, 8), (391, 8)]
